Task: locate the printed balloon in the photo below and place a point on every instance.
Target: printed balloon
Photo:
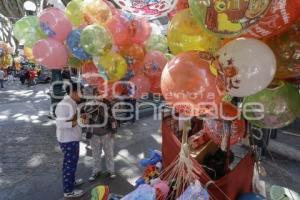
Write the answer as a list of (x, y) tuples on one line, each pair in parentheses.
[(141, 86), (154, 63), (96, 12), (157, 42), (74, 45), (74, 12)]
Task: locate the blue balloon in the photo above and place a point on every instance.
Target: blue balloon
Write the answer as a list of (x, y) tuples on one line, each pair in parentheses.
[(73, 42), (251, 196)]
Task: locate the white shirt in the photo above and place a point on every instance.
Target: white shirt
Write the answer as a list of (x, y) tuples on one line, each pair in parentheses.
[(65, 112), (1, 75)]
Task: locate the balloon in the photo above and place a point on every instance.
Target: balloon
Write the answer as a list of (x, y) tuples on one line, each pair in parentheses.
[(155, 85), (55, 24), (28, 53), (184, 34), (74, 46), (245, 67), (118, 28), (50, 53), (141, 86), (287, 51), (154, 63), (74, 12), (157, 42), (280, 16), (280, 106), (228, 18), (74, 62), (187, 79), (6, 61), (181, 5), (133, 53), (95, 40), (251, 196), (28, 31), (139, 30), (169, 56), (96, 12), (114, 65), (91, 74)]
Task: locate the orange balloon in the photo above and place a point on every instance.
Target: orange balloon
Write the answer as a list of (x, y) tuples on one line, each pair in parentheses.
[(280, 16), (155, 85), (154, 63), (134, 55), (187, 82)]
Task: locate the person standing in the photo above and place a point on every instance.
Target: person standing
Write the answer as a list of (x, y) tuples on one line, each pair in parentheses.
[(68, 135), (102, 126), (2, 78)]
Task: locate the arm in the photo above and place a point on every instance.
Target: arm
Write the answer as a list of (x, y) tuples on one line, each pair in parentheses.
[(65, 117)]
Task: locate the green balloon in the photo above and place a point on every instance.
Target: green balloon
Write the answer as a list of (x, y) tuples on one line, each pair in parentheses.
[(278, 106), (95, 40), (28, 31), (157, 42), (74, 12), (74, 62), (169, 56)]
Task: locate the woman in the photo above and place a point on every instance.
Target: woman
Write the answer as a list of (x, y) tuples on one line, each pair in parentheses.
[(102, 127)]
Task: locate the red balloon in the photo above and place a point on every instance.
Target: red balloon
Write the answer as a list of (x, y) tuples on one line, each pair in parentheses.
[(155, 85), (281, 15), (50, 53), (90, 74), (89, 67), (55, 23), (119, 30), (141, 86), (187, 82), (139, 30), (154, 63)]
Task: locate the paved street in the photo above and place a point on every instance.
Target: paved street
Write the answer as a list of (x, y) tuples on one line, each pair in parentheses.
[(30, 159)]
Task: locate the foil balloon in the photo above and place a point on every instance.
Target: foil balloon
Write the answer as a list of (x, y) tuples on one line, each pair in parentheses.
[(55, 24), (281, 15), (140, 86), (274, 107), (157, 42), (28, 31), (96, 12), (95, 40), (74, 45), (187, 81), (50, 53), (114, 65), (227, 18), (154, 63), (74, 12), (287, 51), (245, 71), (184, 34)]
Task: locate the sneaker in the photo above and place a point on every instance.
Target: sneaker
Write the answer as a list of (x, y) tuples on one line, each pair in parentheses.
[(78, 182), (94, 176), (74, 194)]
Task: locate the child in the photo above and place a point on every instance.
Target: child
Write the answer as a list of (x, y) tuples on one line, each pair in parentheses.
[(102, 127)]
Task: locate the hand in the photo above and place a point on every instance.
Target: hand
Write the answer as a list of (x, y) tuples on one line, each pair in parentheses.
[(74, 121)]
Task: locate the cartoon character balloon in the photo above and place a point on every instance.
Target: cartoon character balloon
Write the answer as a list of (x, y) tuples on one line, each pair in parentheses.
[(187, 81), (50, 53), (228, 18), (245, 67), (184, 34), (274, 107)]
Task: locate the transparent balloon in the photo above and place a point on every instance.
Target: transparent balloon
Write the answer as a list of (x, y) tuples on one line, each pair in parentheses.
[(157, 42), (74, 12), (74, 45), (96, 12)]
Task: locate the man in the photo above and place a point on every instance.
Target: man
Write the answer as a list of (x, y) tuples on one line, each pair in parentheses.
[(2, 78), (68, 135)]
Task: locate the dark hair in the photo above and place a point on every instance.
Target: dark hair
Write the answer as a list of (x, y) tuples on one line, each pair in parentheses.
[(73, 87)]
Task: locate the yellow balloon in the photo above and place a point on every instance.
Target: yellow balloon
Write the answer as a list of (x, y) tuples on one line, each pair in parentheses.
[(28, 53), (74, 12), (184, 34), (96, 12), (115, 66)]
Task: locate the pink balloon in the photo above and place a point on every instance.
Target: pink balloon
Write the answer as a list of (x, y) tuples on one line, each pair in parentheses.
[(139, 30), (154, 63), (119, 30), (50, 53), (142, 86), (55, 24)]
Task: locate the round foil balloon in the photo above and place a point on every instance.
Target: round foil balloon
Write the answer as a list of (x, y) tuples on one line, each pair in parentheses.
[(228, 18), (55, 24), (245, 67), (141, 86), (28, 31), (74, 12), (95, 40), (280, 16), (50, 53), (287, 51), (114, 65), (157, 42), (273, 107), (74, 45), (154, 63), (187, 80), (184, 34), (96, 12)]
